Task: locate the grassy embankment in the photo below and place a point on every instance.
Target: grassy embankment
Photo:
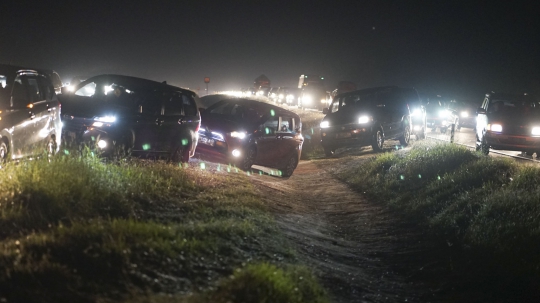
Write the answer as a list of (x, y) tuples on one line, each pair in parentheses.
[(78, 230), (489, 208)]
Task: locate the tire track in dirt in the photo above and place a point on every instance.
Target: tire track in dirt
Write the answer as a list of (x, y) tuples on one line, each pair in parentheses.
[(358, 250)]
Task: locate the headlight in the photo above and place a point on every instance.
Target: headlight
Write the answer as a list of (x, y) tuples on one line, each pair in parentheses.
[(325, 124), (464, 114), (106, 119), (536, 131), (416, 112), (495, 127), (444, 113), (239, 135), (364, 119), (307, 99), (281, 96), (290, 97)]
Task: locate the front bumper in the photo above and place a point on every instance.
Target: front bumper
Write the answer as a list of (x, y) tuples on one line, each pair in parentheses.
[(512, 142), (346, 136)]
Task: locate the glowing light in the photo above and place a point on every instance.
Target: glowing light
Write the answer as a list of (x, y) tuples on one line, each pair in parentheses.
[(185, 142), (97, 124), (325, 124), (416, 112), (236, 153), (203, 165), (535, 131), (272, 113), (107, 89), (102, 144), (106, 119), (364, 119), (146, 146), (464, 114), (239, 135), (496, 128)]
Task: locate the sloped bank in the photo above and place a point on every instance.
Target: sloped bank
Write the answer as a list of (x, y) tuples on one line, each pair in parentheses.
[(485, 210)]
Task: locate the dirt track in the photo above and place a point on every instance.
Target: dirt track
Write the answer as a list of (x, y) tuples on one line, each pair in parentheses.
[(359, 251)]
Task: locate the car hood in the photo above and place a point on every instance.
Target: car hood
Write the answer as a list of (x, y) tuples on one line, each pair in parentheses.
[(222, 124), (351, 116), (517, 118)]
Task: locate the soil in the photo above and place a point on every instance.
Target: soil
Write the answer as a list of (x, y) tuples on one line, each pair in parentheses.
[(360, 251)]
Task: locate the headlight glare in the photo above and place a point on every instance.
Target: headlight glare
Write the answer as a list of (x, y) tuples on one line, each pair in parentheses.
[(535, 131), (239, 135), (106, 119), (464, 114), (325, 124), (364, 119), (495, 127)]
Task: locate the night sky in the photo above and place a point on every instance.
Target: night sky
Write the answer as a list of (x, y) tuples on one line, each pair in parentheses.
[(458, 50)]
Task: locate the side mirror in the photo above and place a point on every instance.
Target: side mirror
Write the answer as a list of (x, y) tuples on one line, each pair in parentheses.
[(326, 111), (480, 111)]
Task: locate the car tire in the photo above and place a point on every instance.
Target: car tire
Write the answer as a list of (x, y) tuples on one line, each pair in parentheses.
[(247, 161), (377, 141), (180, 155), (484, 147), (329, 152), (291, 165), (4, 152), (405, 138)]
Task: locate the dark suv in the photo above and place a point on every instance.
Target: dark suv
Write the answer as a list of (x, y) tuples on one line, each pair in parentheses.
[(29, 113), (115, 113), (508, 122), (246, 132), (371, 116)]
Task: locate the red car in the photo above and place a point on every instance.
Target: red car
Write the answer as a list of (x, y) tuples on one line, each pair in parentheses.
[(246, 132)]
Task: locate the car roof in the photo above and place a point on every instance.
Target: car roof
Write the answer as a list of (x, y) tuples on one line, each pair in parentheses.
[(257, 105), (511, 96), (140, 83)]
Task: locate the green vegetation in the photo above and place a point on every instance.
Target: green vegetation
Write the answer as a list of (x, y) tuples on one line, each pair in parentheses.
[(74, 229), (487, 208)]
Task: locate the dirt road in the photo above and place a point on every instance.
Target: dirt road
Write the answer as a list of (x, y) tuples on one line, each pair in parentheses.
[(358, 249)]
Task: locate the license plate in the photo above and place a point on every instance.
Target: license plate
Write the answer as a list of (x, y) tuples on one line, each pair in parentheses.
[(206, 141), (343, 135)]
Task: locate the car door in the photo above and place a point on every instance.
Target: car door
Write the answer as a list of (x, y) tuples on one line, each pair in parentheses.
[(267, 140), (288, 141), (179, 122), (393, 113), (22, 115), (482, 119), (41, 94)]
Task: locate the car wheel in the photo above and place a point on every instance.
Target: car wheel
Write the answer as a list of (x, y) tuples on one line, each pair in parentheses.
[(484, 147), (329, 152), (248, 160), (3, 153), (52, 146), (180, 155), (288, 170), (406, 137), (422, 134), (377, 141)]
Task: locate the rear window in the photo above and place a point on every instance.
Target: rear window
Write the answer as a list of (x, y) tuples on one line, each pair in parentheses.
[(520, 106), (236, 112)]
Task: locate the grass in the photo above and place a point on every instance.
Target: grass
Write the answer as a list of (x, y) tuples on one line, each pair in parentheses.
[(74, 229), (489, 208)]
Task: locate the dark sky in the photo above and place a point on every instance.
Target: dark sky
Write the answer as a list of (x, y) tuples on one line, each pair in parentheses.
[(459, 49)]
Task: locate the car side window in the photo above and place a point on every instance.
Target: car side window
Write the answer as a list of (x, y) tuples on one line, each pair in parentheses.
[(286, 125), (173, 106), (34, 92), (87, 91), (335, 106), (271, 125), (19, 96), (46, 87)]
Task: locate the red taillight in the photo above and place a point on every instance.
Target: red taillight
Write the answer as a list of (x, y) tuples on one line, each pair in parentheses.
[(198, 126)]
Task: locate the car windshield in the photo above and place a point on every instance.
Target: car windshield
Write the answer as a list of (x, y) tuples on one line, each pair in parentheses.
[(236, 111), (512, 106)]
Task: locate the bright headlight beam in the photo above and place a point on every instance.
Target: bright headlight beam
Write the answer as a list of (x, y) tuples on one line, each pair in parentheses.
[(535, 131), (325, 124), (464, 114), (106, 119), (363, 119), (239, 135), (496, 128)]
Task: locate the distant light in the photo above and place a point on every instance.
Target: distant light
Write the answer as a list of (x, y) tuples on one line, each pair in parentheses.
[(236, 153), (272, 112), (146, 146), (536, 131), (102, 144)]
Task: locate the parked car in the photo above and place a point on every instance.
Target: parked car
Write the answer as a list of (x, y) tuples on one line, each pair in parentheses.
[(136, 116), (441, 116), (29, 113), (245, 132), (508, 122), (291, 96), (372, 116)]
